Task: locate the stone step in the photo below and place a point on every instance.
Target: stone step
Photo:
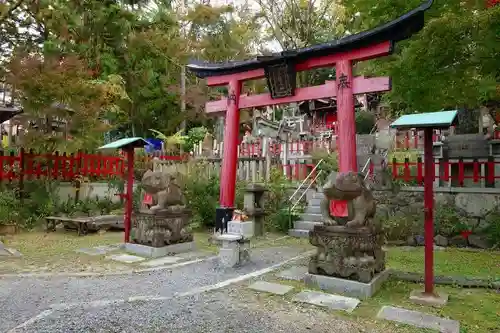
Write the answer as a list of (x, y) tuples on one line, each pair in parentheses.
[(318, 195), (315, 202), (305, 225), (298, 233), (313, 210), (311, 217)]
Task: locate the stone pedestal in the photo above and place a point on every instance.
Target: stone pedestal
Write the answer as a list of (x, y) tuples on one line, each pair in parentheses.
[(245, 229), (161, 228), (235, 250), (351, 254), (253, 204), (346, 287)]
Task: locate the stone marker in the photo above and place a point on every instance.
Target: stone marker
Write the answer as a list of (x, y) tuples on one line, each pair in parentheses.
[(126, 258), (419, 319), (273, 288), (296, 273), (161, 261), (334, 302)]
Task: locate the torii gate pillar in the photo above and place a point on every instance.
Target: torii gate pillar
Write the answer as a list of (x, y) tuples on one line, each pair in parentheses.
[(346, 118), (230, 158)]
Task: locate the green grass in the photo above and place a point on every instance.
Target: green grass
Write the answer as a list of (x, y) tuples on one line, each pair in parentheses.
[(450, 262), (477, 310), (55, 251)]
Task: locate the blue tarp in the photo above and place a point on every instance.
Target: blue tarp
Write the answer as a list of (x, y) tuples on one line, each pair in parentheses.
[(154, 144)]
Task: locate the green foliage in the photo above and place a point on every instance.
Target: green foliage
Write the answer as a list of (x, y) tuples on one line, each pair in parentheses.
[(329, 164), (202, 194), (364, 122), (399, 227), (447, 221), (449, 64), (194, 135), (492, 231), (39, 200)]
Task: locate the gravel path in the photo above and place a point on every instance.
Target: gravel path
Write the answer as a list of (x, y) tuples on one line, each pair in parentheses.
[(24, 298), (224, 310)]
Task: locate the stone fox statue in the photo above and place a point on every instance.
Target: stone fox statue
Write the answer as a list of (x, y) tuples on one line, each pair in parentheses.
[(167, 187), (351, 187)]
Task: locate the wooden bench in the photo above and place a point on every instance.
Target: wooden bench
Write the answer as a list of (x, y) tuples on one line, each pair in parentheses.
[(84, 224)]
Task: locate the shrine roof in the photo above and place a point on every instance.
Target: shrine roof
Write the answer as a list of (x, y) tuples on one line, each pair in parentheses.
[(399, 29), (437, 120), (125, 143)]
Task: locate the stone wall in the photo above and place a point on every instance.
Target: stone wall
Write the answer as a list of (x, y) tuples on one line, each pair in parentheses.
[(456, 210), (88, 190)]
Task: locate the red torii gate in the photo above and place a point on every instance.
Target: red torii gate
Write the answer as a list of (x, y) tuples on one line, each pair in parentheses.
[(280, 71)]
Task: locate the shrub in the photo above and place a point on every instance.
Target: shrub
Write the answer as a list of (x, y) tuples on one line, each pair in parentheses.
[(400, 227), (447, 221), (365, 121), (329, 164), (202, 193), (39, 200)]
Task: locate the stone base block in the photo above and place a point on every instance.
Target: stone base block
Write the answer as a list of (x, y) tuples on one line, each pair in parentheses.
[(235, 251), (155, 252), (245, 229), (347, 287), (437, 300)]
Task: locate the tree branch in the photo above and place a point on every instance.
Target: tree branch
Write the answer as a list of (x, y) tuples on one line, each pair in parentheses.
[(9, 11)]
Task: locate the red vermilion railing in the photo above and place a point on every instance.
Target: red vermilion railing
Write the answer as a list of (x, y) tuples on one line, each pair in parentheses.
[(460, 172), (65, 167)]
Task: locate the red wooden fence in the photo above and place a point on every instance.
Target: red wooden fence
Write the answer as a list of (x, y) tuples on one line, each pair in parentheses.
[(65, 167), (458, 172)]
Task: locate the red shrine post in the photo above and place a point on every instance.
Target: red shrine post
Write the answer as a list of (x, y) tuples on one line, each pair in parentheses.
[(280, 71), (428, 122), (128, 146)]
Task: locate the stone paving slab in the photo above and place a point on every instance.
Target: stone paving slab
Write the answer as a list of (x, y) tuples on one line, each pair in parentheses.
[(100, 250), (161, 261), (419, 319), (92, 251), (334, 302), (296, 273), (112, 247), (272, 288), (126, 258)]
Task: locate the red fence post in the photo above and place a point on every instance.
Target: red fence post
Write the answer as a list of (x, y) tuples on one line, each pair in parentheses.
[(407, 169), (491, 171), (461, 174), (11, 162), (475, 172), (129, 194), (394, 168), (21, 174)]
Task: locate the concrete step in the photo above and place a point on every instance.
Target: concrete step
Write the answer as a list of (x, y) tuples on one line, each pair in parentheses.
[(311, 217), (306, 225), (298, 233), (313, 210), (318, 195), (315, 202)]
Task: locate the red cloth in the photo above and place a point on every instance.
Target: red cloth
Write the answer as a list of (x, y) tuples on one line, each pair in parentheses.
[(338, 208), (148, 199)]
